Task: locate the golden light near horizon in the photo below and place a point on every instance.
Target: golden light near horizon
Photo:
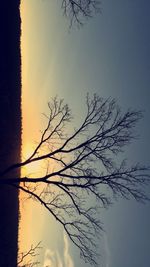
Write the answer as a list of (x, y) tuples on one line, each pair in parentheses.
[(31, 109), (29, 134), (32, 169), (36, 91)]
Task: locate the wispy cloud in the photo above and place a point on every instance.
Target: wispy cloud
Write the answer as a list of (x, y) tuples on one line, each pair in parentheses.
[(48, 258), (107, 251), (54, 259), (67, 257)]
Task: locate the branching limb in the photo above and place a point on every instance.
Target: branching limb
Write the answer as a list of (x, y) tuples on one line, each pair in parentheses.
[(78, 10), (26, 259), (83, 173)]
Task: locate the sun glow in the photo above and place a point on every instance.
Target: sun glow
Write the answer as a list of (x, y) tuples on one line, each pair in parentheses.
[(33, 103), (32, 169)]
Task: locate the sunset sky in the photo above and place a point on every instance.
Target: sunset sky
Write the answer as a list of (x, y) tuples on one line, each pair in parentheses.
[(109, 55)]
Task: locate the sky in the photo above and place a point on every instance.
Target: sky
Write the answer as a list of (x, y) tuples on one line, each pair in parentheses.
[(109, 55)]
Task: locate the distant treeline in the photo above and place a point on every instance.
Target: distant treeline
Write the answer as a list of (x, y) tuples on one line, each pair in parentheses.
[(10, 126)]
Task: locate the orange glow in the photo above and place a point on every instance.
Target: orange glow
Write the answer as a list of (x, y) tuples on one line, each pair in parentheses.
[(32, 106), (33, 168)]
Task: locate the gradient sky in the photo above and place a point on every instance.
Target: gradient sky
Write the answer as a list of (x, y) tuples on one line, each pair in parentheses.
[(110, 55)]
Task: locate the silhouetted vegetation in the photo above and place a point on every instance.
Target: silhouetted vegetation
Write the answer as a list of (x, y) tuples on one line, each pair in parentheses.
[(85, 164), (77, 11), (28, 258), (82, 164), (10, 126)]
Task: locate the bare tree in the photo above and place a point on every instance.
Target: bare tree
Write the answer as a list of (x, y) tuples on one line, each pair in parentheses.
[(83, 172), (78, 10)]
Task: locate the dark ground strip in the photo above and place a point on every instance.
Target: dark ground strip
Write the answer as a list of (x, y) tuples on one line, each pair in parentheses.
[(10, 126)]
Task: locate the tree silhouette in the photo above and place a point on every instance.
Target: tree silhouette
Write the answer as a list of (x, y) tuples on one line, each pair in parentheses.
[(83, 170), (77, 10)]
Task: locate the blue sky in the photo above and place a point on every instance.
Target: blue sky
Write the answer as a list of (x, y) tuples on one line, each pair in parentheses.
[(109, 55)]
